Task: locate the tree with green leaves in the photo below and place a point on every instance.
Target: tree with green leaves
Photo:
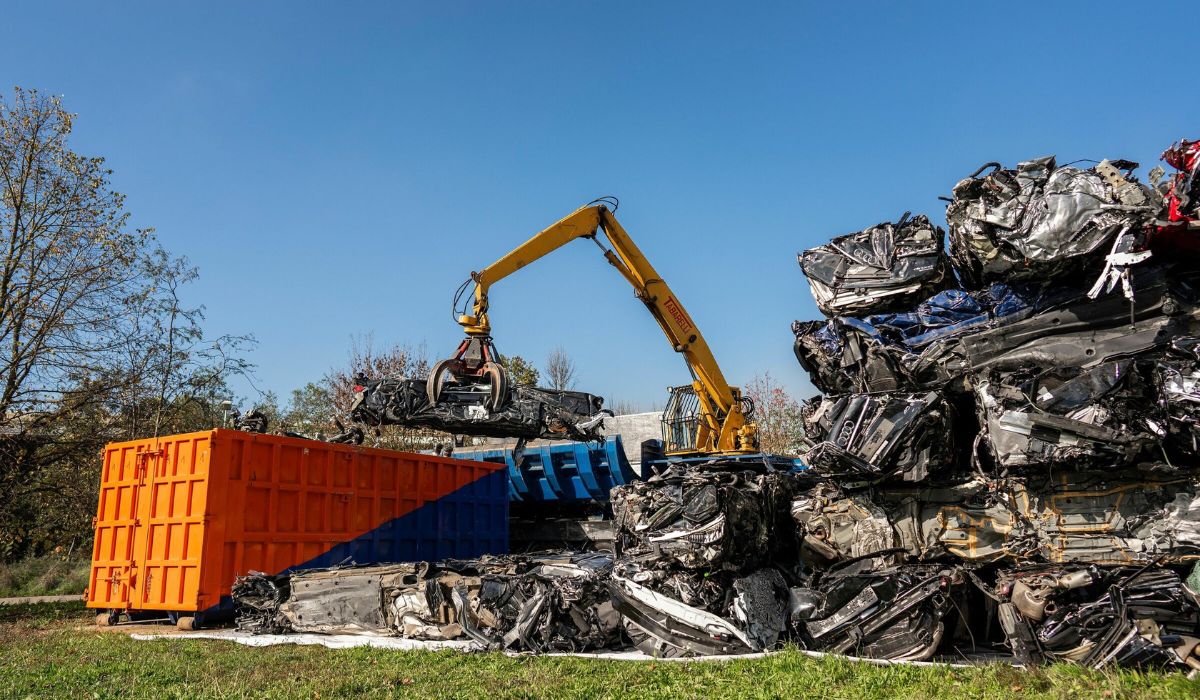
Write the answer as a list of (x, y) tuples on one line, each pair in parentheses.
[(520, 371)]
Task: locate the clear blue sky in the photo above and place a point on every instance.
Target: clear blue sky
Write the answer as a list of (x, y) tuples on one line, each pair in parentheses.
[(338, 170)]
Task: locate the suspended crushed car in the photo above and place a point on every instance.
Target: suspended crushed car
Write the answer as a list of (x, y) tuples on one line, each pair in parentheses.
[(471, 409), (886, 266)]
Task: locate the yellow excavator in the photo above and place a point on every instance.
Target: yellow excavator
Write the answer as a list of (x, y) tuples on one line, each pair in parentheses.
[(707, 417)]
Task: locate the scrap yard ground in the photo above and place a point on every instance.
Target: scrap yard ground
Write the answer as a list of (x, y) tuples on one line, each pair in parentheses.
[(52, 650)]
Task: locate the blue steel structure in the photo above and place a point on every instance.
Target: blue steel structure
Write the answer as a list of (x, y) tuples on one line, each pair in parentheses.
[(564, 473)]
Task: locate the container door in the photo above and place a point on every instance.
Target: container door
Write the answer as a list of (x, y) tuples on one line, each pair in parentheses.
[(169, 538), (118, 526)]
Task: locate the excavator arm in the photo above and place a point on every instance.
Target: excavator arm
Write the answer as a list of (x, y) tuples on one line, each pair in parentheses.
[(722, 424)]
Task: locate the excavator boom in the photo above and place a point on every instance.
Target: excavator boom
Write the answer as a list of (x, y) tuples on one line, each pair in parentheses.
[(721, 420)]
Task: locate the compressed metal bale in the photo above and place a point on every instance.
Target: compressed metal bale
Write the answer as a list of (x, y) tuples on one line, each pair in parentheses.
[(874, 437), (974, 521), (1071, 330), (887, 266), (1040, 220), (1099, 617), (1044, 418), (895, 613), (843, 529), (673, 613), (560, 604), (1177, 380), (1114, 518), (709, 516), (839, 358), (908, 350)]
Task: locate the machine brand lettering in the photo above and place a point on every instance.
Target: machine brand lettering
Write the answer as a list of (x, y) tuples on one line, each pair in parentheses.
[(673, 308)]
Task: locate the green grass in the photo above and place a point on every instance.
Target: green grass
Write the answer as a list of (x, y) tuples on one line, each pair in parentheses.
[(52, 574), (48, 651)]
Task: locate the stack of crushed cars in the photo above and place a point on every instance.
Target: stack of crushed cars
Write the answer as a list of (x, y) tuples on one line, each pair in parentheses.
[(1008, 439)]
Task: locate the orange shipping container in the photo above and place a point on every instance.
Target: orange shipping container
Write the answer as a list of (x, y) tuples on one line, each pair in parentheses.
[(180, 516)]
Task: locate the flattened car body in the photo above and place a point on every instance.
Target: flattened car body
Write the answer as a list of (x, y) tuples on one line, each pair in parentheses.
[(1040, 220), (886, 266), (877, 436), (527, 412), (551, 602), (1104, 416)]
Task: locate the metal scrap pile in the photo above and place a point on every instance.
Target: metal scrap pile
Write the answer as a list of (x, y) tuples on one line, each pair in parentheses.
[(549, 603), (698, 553), (1004, 461), (1013, 461)]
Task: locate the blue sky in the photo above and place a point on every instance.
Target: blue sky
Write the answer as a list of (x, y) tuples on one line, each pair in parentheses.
[(338, 170)]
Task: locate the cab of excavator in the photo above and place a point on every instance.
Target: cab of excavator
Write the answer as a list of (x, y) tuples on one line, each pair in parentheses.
[(681, 419)]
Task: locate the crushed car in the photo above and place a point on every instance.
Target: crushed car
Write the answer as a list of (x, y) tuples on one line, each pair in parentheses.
[(872, 437), (886, 266), (1041, 220), (524, 412), (551, 602)]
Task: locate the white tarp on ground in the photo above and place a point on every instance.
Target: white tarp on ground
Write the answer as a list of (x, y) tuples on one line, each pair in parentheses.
[(348, 641)]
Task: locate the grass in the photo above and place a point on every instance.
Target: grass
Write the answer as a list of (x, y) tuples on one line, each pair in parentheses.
[(47, 650), (53, 574)]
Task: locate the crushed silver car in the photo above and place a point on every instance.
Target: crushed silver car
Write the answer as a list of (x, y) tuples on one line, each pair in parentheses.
[(890, 265)]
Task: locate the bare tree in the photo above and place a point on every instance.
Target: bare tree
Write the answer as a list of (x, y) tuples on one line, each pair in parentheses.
[(560, 369), (337, 388)]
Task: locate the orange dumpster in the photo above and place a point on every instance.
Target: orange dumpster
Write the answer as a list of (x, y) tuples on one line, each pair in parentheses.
[(180, 516)]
